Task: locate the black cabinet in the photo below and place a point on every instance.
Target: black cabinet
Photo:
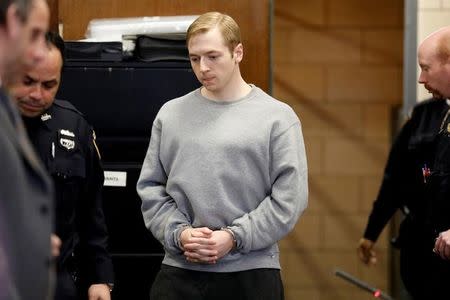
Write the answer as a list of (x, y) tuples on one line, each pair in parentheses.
[(121, 100)]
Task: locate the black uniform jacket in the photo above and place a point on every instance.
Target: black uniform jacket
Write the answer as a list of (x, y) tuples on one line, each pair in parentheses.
[(417, 176), (26, 213), (66, 145)]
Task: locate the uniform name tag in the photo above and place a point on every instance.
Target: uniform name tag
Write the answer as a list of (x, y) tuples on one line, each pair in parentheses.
[(115, 178)]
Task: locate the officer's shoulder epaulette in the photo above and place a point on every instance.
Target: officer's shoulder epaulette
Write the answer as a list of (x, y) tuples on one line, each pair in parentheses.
[(66, 105)]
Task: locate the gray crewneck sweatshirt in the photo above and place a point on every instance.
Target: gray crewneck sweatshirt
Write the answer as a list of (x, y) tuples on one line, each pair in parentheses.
[(240, 164)]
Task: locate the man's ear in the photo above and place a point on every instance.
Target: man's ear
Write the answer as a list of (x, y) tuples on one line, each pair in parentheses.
[(238, 53), (13, 23)]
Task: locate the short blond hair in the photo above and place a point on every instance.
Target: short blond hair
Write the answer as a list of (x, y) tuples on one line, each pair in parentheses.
[(227, 26)]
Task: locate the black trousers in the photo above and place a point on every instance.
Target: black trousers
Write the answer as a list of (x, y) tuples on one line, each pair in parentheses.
[(424, 274), (65, 286), (259, 284)]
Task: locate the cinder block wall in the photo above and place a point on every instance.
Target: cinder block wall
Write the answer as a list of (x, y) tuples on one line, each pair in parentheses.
[(339, 64)]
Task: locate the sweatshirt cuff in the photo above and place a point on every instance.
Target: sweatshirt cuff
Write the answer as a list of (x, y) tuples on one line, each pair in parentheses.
[(177, 235)]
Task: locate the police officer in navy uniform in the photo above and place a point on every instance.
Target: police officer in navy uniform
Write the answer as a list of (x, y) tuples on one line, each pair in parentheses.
[(417, 179), (66, 144)]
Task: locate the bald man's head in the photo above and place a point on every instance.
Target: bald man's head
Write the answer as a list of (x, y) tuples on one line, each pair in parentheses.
[(434, 62), (439, 40)]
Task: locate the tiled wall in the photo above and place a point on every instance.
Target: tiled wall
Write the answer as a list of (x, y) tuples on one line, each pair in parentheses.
[(339, 64), (432, 15)]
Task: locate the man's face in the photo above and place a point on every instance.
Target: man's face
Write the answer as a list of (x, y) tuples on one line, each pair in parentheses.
[(213, 63), (26, 45), (435, 74), (36, 90), (34, 33)]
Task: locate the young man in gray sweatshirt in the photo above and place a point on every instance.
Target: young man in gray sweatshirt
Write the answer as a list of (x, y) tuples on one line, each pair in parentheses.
[(224, 178)]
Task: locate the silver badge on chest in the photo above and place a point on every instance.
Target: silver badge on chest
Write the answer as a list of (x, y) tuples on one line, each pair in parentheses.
[(66, 139)]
